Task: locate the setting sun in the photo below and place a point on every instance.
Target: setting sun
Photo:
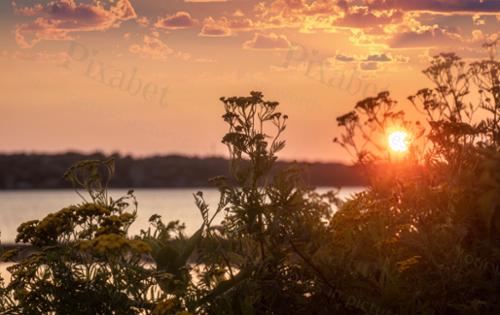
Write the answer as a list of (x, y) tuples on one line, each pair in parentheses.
[(398, 141)]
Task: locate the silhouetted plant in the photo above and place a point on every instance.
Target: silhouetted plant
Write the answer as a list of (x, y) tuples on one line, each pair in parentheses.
[(81, 260), (408, 244), (271, 225), (412, 241), (250, 263)]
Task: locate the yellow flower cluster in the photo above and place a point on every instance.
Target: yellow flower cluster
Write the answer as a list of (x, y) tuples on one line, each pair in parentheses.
[(111, 243), (62, 224)]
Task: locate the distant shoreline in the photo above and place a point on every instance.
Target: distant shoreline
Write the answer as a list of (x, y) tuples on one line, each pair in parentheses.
[(45, 171)]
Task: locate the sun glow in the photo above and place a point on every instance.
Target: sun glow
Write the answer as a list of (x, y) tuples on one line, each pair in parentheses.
[(398, 141)]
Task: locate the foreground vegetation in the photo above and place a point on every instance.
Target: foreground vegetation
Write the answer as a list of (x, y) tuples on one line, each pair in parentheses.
[(422, 239)]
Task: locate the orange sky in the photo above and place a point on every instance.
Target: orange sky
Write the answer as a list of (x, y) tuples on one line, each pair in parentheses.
[(144, 77)]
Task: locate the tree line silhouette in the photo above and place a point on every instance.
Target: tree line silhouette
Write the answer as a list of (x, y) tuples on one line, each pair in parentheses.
[(44, 171)]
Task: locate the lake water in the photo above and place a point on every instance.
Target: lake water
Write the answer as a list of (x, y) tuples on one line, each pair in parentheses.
[(17, 207)]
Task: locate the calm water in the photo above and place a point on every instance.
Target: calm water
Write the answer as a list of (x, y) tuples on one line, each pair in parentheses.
[(17, 207)]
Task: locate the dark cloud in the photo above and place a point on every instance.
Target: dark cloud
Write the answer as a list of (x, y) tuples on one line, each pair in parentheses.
[(472, 6), (379, 58)]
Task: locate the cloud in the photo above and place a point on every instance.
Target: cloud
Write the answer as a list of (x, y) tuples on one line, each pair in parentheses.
[(215, 28), (238, 13), (369, 66), (372, 16), (411, 33), (363, 17), (323, 15), (57, 20), (373, 58), (152, 47), (426, 38), (143, 21), (226, 26), (290, 8), (438, 6), (271, 41), (240, 23), (344, 58), (476, 19), (378, 58), (27, 11), (39, 56), (179, 20), (401, 59), (295, 13)]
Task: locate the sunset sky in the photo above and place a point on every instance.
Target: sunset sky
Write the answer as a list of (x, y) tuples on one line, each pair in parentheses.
[(144, 77)]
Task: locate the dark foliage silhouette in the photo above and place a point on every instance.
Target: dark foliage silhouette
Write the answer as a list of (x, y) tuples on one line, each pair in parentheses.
[(423, 238)]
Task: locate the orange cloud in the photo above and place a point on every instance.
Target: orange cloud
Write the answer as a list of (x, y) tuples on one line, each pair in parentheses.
[(58, 19), (152, 47), (369, 66), (271, 41), (179, 20), (215, 28), (438, 6), (143, 21), (363, 17), (424, 38), (41, 56)]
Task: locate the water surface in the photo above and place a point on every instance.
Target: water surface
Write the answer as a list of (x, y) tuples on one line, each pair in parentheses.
[(17, 207), (20, 206)]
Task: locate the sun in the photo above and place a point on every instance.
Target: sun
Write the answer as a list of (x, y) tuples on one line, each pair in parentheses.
[(398, 141)]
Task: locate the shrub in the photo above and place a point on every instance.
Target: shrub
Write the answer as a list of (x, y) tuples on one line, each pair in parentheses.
[(423, 238)]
